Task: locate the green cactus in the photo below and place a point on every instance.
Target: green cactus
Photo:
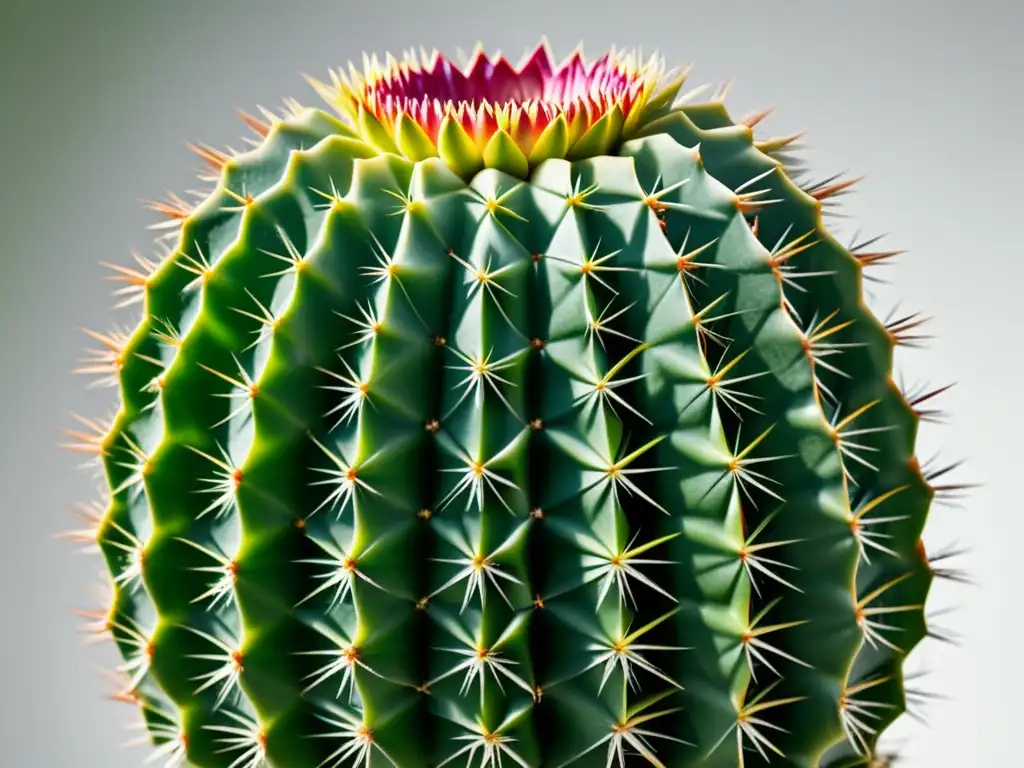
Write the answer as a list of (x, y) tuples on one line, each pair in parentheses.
[(511, 415)]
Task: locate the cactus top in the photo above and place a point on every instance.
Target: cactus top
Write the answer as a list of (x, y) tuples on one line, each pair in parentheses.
[(490, 113)]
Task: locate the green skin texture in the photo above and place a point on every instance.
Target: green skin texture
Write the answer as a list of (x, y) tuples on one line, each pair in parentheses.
[(547, 511)]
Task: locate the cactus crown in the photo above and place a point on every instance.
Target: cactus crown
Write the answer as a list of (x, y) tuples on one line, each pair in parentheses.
[(493, 114), (523, 415)]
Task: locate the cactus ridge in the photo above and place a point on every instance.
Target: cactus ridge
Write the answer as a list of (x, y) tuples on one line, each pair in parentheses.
[(415, 466)]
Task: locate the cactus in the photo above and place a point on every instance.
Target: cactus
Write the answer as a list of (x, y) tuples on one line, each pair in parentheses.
[(509, 415)]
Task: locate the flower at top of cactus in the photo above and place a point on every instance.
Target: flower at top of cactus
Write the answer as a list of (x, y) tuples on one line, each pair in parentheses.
[(490, 113)]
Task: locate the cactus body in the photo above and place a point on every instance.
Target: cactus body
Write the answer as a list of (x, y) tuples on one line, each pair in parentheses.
[(548, 432)]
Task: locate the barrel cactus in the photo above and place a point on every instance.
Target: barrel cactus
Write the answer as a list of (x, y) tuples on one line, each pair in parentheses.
[(509, 414)]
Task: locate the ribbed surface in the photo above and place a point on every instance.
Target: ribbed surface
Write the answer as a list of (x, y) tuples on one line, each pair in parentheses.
[(423, 469)]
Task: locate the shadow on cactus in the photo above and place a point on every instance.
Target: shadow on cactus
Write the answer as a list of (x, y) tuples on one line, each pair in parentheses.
[(510, 415)]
